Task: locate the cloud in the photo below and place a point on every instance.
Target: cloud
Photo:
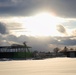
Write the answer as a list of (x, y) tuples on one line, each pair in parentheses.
[(3, 29), (39, 43), (64, 8), (61, 29), (11, 27), (74, 32), (19, 7), (14, 26), (68, 41)]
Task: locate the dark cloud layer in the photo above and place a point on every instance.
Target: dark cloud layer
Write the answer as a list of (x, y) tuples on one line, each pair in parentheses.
[(40, 44), (65, 41), (65, 8), (3, 29)]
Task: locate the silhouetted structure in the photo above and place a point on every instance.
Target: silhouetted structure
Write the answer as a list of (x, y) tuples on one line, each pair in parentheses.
[(68, 52), (14, 51), (71, 53)]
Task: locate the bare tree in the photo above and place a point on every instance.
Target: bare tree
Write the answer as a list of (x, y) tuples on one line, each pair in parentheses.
[(56, 50)]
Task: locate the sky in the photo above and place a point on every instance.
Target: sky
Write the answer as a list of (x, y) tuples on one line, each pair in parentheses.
[(43, 24)]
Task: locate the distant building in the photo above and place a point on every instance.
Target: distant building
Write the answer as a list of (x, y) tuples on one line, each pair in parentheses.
[(71, 53), (68, 53)]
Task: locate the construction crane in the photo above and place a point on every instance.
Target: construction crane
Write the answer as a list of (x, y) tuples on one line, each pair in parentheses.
[(27, 47)]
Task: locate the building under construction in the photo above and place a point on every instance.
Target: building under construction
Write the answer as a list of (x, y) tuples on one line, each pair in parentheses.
[(15, 51)]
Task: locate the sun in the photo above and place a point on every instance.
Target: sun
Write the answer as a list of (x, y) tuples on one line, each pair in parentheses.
[(42, 24)]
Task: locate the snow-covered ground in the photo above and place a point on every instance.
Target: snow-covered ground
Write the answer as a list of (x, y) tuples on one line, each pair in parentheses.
[(52, 66)]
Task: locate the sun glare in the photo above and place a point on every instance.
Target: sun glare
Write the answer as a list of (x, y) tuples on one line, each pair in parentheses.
[(42, 24)]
